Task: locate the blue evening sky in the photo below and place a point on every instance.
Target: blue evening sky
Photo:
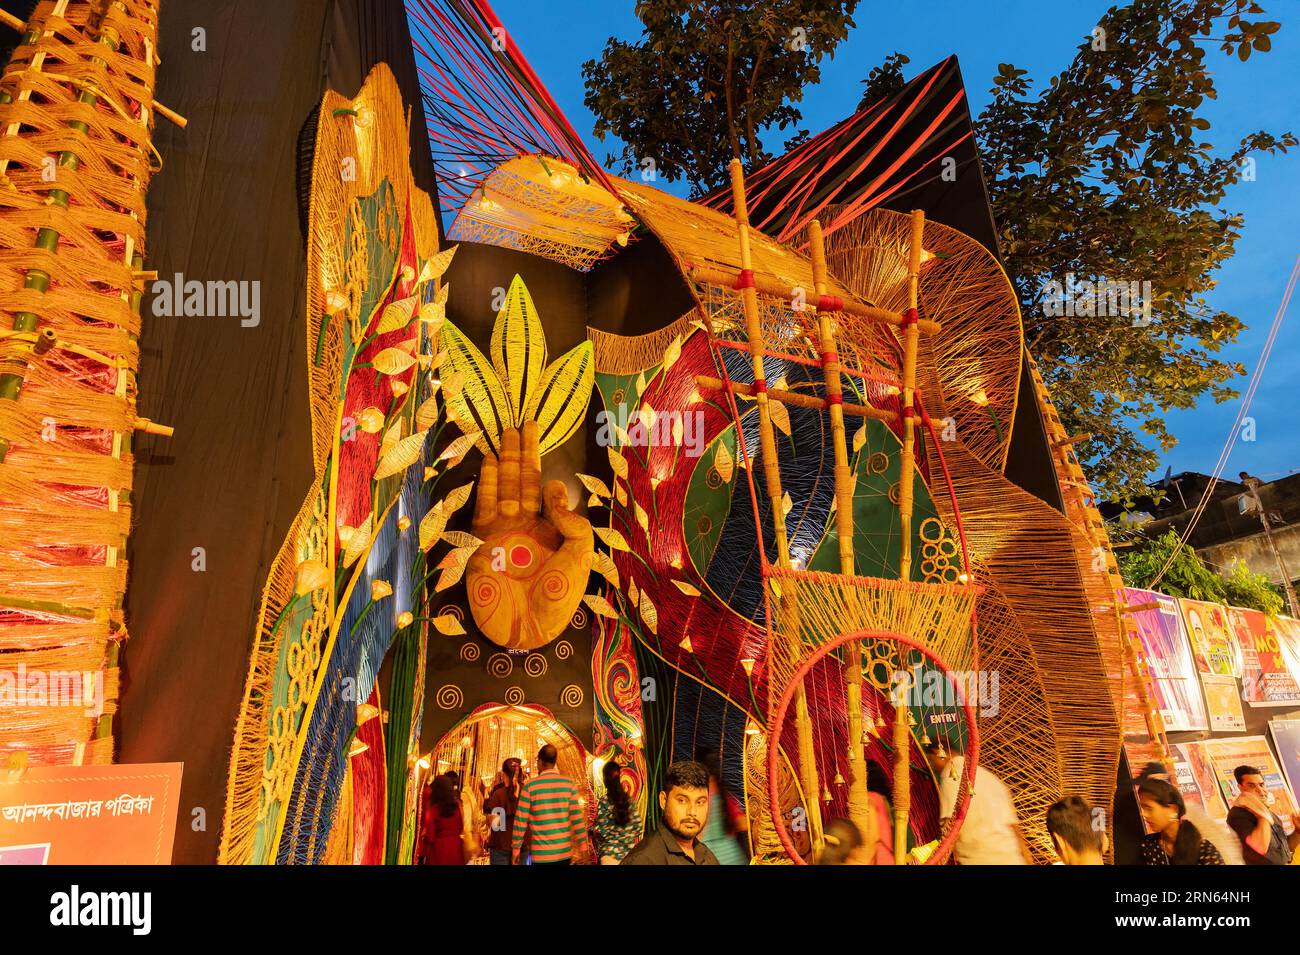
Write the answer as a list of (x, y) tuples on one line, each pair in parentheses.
[(1041, 38)]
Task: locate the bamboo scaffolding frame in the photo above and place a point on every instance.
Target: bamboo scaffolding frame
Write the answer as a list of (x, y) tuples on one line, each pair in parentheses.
[(907, 475), (788, 397), (772, 478), (860, 811), (773, 289)]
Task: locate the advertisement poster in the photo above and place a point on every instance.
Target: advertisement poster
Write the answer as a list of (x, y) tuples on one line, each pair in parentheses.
[(1286, 740), (1223, 700), (1225, 755), (1141, 753), (1265, 678), (1287, 631), (1169, 657), (1213, 642), (90, 815)]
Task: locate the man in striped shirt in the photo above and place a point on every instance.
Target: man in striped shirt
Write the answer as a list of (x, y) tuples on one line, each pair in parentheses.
[(549, 814)]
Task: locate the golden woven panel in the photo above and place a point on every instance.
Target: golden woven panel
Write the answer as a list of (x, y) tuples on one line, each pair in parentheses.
[(977, 353), (1097, 568), (72, 228), (369, 131), (542, 206)]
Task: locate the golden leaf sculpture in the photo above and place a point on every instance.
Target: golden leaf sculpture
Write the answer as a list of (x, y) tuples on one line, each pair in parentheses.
[(600, 605), (401, 455), (448, 625), (517, 385)]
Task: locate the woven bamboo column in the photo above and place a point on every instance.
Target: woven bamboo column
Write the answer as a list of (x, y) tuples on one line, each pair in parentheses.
[(772, 477), (860, 813), (907, 474)]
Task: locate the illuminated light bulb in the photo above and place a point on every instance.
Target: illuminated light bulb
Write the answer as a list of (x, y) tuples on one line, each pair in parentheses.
[(752, 730), (312, 575), (357, 748), (379, 589), (405, 619), (366, 712), (335, 302), (422, 762), (964, 578)]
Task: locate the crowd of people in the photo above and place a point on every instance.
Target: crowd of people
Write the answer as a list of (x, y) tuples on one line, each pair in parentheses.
[(540, 820)]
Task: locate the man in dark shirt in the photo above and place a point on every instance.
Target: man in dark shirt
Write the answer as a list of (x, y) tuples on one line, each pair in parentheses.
[(1263, 840), (685, 805)]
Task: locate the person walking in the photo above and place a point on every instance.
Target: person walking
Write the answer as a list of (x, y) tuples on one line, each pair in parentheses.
[(500, 808), (618, 822), (549, 816), (442, 825)]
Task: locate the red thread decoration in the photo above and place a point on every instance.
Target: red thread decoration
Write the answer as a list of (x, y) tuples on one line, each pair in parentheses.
[(760, 386), (745, 279), (909, 317), (830, 303), (834, 400)]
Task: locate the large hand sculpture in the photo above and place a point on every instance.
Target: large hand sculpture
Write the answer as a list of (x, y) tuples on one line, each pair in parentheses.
[(528, 577)]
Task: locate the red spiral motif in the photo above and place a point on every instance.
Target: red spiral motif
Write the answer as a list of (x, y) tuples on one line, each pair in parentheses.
[(486, 593), (555, 586)]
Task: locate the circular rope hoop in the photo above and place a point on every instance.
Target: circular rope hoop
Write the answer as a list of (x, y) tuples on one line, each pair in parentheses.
[(941, 854)]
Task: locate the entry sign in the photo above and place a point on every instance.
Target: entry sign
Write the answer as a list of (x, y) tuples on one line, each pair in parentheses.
[(89, 815)]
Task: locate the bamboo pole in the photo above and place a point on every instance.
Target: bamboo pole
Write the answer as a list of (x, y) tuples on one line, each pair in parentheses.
[(795, 399), (772, 477), (860, 813), (772, 289), (47, 238), (907, 474)]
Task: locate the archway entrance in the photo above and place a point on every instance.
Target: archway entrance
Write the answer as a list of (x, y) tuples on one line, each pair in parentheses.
[(475, 748)]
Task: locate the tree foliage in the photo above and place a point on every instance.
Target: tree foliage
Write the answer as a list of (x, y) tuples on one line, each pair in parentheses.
[(706, 80), (1106, 174), (1243, 588), (1188, 576), (1191, 577)]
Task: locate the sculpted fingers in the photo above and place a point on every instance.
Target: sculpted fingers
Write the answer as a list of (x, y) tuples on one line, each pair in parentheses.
[(530, 478), (508, 492), (485, 508)]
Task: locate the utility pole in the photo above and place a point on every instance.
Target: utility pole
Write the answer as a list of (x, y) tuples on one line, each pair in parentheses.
[(1253, 483)]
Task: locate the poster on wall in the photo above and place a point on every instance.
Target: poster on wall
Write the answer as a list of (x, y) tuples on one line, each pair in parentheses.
[(1225, 755), (1202, 772), (1286, 740), (1169, 657), (1213, 643), (1287, 632), (90, 815), (1140, 753), (1265, 678), (1223, 700)]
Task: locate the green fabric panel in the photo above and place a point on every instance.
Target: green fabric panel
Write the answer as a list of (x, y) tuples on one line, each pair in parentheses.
[(707, 506)]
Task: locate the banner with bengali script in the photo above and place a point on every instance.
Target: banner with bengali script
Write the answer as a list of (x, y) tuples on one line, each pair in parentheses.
[(89, 815), (1265, 677), (1225, 755), (1169, 658), (1286, 740)]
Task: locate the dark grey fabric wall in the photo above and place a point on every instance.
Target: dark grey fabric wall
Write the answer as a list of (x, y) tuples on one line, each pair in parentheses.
[(225, 207)]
